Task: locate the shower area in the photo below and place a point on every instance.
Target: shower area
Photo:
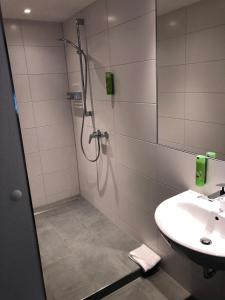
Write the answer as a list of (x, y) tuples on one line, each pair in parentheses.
[(69, 155)]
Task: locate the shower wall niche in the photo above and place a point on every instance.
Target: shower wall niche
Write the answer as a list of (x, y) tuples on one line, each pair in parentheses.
[(40, 79)]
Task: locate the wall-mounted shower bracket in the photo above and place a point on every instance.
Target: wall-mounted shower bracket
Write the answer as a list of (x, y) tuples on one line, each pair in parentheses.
[(89, 113)]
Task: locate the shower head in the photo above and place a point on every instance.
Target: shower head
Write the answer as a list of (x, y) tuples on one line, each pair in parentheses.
[(71, 44)]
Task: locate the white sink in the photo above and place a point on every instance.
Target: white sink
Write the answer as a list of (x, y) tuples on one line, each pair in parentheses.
[(189, 217)]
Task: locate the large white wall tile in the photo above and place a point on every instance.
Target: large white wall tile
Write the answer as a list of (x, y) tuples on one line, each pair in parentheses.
[(171, 105), (17, 59), (135, 82), (133, 41), (13, 32), (33, 163), (72, 59), (48, 87), (122, 11), (42, 60), (171, 130), (206, 77), (98, 51), (206, 45), (37, 190), (22, 88), (171, 79), (96, 17), (41, 33), (30, 140), (104, 116), (55, 136), (205, 14), (98, 84), (26, 115), (137, 120)]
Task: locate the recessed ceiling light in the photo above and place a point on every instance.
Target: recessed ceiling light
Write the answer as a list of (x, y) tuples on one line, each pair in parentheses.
[(27, 11)]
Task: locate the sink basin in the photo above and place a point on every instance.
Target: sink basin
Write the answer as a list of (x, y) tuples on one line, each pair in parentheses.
[(194, 226)]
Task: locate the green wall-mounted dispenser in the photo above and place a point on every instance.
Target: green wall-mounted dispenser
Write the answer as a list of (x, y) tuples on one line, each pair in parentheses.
[(109, 78), (201, 170), (211, 154)]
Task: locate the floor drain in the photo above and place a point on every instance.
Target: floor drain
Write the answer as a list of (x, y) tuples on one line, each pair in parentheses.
[(205, 241)]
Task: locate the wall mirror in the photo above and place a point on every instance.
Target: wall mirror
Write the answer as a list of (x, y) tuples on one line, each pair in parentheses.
[(191, 75)]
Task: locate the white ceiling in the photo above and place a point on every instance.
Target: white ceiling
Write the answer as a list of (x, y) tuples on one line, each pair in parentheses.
[(43, 10), (165, 6)]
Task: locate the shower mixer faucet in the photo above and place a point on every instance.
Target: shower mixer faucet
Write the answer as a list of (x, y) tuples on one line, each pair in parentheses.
[(97, 135)]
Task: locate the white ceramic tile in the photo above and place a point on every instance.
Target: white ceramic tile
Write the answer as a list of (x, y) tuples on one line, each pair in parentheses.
[(48, 87), (41, 33), (206, 77), (75, 82), (98, 84), (96, 17), (171, 130), (104, 115), (136, 154), (59, 181), (69, 30), (205, 14), (22, 88), (42, 60), (26, 115), (122, 11), (171, 79), (137, 120), (30, 140), (205, 107), (171, 105), (98, 50), (171, 25), (33, 163), (13, 32), (58, 159), (52, 112), (133, 41), (72, 59), (135, 82), (55, 136), (37, 191), (67, 194), (205, 135), (206, 45), (17, 59), (171, 51)]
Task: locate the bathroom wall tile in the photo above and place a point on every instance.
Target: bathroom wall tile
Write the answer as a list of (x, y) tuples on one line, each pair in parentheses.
[(72, 59), (69, 31), (136, 154), (37, 190), (67, 194), (205, 107), (136, 120), (55, 136), (33, 163), (48, 87), (212, 13), (30, 140), (125, 40), (58, 159), (206, 77), (96, 17), (59, 181), (122, 11), (135, 82), (171, 105), (206, 45), (98, 50), (17, 59), (171, 24), (98, 84), (41, 33), (171, 51), (13, 32), (205, 135), (74, 82), (52, 112), (171, 79), (104, 115), (26, 115), (22, 88), (171, 129), (42, 60)]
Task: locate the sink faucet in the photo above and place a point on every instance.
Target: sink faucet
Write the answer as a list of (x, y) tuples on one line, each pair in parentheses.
[(219, 197), (218, 193)]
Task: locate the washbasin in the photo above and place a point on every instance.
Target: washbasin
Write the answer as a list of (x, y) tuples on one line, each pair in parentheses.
[(195, 226)]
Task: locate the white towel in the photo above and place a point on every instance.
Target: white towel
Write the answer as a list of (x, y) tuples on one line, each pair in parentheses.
[(144, 257)]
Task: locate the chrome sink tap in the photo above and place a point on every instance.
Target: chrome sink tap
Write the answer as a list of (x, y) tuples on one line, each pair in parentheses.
[(218, 193)]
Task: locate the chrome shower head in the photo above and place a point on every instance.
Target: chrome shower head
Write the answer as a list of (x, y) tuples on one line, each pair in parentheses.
[(71, 44)]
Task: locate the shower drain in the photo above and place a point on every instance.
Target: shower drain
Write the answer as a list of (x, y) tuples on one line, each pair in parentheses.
[(205, 241)]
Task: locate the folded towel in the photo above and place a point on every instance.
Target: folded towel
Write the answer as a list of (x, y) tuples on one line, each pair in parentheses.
[(145, 257)]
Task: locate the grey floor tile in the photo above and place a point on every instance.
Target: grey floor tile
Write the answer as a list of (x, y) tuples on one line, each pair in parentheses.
[(81, 250)]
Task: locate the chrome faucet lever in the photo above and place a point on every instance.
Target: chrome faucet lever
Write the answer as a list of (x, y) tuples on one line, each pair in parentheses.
[(218, 193), (98, 134)]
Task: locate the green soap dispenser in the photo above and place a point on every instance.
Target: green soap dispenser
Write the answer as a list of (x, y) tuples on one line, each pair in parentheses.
[(109, 78), (201, 170)]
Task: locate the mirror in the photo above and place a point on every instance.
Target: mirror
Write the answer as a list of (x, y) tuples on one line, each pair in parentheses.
[(191, 75)]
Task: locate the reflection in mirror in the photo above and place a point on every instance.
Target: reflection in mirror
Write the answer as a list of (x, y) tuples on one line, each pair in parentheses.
[(191, 75)]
